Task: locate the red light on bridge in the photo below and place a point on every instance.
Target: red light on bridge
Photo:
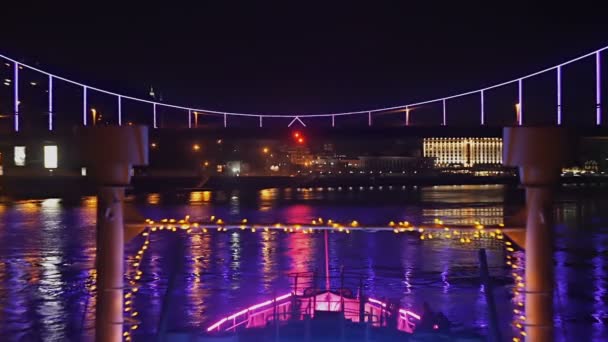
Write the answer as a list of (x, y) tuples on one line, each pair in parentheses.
[(296, 135), (300, 140)]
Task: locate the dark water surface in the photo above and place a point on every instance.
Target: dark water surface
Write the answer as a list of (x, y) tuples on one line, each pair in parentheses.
[(47, 253)]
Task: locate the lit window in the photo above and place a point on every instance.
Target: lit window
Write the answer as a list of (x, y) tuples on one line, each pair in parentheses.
[(50, 157), (19, 157)]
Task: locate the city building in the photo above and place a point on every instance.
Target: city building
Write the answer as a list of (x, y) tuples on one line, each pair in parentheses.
[(299, 155), (397, 164), (463, 152)]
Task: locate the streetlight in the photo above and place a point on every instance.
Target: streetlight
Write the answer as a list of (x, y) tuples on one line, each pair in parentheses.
[(265, 150), (196, 147), (94, 114)]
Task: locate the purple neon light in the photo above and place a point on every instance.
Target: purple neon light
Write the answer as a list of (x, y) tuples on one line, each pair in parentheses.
[(16, 93), (521, 105), (444, 113), (84, 106), (559, 95), (361, 112), (598, 92), (50, 103), (225, 120), (333, 121), (296, 119), (189, 118), (483, 108), (369, 118), (154, 115), (260, 121), (120, 111)]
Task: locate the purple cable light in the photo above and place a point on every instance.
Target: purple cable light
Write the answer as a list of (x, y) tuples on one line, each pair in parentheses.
[(84, 106), (189, 118), (225, 120), (120, 111), (444, 113), (597, 53), (260, 121), (482, 109), (154, 116), (598, 92), (520, 110), (369, 119), (50, 103), (16, 92), (333, 121), (559, 95)]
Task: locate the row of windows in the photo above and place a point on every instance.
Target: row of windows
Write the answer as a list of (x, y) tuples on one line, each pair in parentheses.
[(51, 156)]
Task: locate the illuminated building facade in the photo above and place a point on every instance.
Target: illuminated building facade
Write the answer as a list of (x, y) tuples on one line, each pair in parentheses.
[(465, 152)]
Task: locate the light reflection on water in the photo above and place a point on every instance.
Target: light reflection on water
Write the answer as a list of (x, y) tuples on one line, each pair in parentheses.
[(47, 249)]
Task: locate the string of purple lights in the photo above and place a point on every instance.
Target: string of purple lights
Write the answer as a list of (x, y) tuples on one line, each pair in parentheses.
[(299, 117)]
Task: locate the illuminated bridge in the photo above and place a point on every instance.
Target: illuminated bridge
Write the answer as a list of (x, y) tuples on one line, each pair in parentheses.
[(568, 94)]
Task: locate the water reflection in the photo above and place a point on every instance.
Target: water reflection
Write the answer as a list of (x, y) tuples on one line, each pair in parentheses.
[(47, 251), (199, 261), (199, 197), (153, 198)]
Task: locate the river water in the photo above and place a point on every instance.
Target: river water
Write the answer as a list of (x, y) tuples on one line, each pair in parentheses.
[(47, 254)]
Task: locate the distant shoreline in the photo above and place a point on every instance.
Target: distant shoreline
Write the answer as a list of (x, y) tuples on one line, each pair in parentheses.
[(59, 186)]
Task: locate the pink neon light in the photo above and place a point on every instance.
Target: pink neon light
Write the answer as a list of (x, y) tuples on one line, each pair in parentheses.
[(242, 312), (251, 308), (406, 312), (375, 301), (403, 311)]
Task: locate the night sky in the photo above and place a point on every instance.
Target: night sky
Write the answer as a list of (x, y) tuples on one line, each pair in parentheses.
[(296, 57)]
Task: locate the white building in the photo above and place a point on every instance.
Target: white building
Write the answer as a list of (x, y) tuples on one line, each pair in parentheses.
[(463, 151)]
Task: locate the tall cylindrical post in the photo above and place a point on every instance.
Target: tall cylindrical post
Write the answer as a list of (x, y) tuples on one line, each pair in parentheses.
[(539, 264), (110, 264), (110, 152), (539, 152)]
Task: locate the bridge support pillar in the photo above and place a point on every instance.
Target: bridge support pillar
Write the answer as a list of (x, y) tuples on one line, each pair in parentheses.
[(539, 153), (110, 152)]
